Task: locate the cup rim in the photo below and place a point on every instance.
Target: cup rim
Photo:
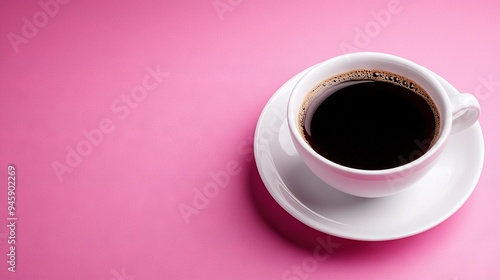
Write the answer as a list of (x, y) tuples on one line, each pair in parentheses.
[(445, 116)]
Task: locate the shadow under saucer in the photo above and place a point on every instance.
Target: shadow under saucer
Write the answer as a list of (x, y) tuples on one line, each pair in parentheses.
[(346, 250), (285, 224)]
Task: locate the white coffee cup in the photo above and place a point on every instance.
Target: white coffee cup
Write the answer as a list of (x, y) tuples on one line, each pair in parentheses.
[(457, 113)]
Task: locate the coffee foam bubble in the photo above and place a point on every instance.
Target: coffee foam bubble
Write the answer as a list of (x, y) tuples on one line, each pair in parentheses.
[(330, 86)]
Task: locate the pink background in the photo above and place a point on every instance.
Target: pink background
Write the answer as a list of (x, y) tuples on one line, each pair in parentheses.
[(117, 215)]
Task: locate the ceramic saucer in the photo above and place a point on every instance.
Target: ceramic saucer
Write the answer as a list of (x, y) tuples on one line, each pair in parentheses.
[(426, 204)]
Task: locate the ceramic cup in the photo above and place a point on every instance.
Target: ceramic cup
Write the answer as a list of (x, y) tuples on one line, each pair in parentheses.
[(457, 112)]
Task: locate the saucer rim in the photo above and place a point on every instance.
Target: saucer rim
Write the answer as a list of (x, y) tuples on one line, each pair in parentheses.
[(367, 237)]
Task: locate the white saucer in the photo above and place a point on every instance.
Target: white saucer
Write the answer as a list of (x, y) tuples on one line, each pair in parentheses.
[(431, 201)]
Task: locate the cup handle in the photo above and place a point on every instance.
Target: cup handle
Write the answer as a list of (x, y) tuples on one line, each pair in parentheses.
[(465, 111)]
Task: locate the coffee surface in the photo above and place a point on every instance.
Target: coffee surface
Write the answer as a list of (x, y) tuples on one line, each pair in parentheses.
[(369, 119)]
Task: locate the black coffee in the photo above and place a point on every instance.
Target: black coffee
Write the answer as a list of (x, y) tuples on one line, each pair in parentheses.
[(369, 119)]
